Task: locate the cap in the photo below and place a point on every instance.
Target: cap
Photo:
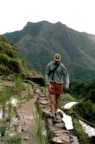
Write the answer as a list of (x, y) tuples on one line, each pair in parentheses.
[(57, 57)]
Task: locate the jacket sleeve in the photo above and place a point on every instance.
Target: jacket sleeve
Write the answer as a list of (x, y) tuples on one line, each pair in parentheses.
[(67, 79), (46, 75)]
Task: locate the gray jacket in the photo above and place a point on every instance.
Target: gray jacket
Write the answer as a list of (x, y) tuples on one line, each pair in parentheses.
[(60, 75)]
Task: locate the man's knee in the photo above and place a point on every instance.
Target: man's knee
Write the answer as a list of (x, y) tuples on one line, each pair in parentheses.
[(52, 101), (57, 99)]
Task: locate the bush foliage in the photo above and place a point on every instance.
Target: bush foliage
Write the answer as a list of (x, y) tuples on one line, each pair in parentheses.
[(85, 92)]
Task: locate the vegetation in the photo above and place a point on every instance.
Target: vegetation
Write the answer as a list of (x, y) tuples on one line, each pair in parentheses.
[(9, 61), (10, 92), (85, 92), (11, 64), (42, 139), (78, 130), (68, 97), (12, 140), (81, 111)]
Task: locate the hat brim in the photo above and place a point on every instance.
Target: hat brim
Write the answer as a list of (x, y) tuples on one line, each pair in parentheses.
[(57, 60)]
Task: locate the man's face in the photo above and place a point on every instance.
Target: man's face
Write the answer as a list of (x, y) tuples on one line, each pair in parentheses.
[(56, 62)]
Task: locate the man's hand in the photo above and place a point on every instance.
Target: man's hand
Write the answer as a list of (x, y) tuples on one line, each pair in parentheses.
[(67, 86), (50, 87)]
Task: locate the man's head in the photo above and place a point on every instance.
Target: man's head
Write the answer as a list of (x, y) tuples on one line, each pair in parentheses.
[(57, 57)]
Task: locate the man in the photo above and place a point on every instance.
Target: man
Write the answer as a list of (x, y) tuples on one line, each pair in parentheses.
[(54, 78)]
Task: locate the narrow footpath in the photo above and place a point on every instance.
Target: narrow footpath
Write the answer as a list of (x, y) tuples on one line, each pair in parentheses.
[(57, 130)]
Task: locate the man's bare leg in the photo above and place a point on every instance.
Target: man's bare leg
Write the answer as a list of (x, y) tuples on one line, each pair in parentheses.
[(52, 98), (57, 102)]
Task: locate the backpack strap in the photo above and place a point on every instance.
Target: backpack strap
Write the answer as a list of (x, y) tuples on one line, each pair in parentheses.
[(53, 71)]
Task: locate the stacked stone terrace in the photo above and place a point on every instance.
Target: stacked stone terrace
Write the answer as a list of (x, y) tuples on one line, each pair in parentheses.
[(57, 130)]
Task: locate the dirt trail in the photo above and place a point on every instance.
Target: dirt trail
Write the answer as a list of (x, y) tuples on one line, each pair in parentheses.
[(28, 123)]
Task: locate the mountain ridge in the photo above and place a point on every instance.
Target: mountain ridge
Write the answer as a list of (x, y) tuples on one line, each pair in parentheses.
[(39, 41)]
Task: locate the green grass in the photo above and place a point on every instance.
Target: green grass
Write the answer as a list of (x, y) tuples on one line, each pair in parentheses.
[(78, 130), (42, 139), (68, 97), (12, 140), (19, 83)]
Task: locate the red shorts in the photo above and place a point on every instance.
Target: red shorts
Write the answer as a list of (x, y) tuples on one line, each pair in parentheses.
[(55, 88)]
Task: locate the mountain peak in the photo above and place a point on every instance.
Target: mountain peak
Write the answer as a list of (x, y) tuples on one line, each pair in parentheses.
[(36, 23), (40, 40)]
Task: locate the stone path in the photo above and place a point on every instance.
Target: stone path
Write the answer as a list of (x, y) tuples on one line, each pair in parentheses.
[(57, 130)]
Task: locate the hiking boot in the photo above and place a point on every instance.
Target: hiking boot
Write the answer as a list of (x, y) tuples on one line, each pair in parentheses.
[(54, 120), (55, 114), (58, 118)]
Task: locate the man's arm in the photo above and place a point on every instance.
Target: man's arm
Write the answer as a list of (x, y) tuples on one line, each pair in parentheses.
[(46, 75), (67, 80)]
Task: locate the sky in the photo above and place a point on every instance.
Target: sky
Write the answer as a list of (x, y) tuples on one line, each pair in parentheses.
[(76, 14)]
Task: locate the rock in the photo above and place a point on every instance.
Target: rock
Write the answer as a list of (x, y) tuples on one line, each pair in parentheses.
[(63, 139), (44, 102), (26, 138)]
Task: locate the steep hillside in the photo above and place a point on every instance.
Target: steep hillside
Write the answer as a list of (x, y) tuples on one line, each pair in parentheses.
[(39, 41), (9, 61)]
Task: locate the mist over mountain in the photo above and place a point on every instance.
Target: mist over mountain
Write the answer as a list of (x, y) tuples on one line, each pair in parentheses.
[(38, 42)]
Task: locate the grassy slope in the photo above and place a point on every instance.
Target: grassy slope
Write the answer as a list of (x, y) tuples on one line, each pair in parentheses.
[(9, 60)]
